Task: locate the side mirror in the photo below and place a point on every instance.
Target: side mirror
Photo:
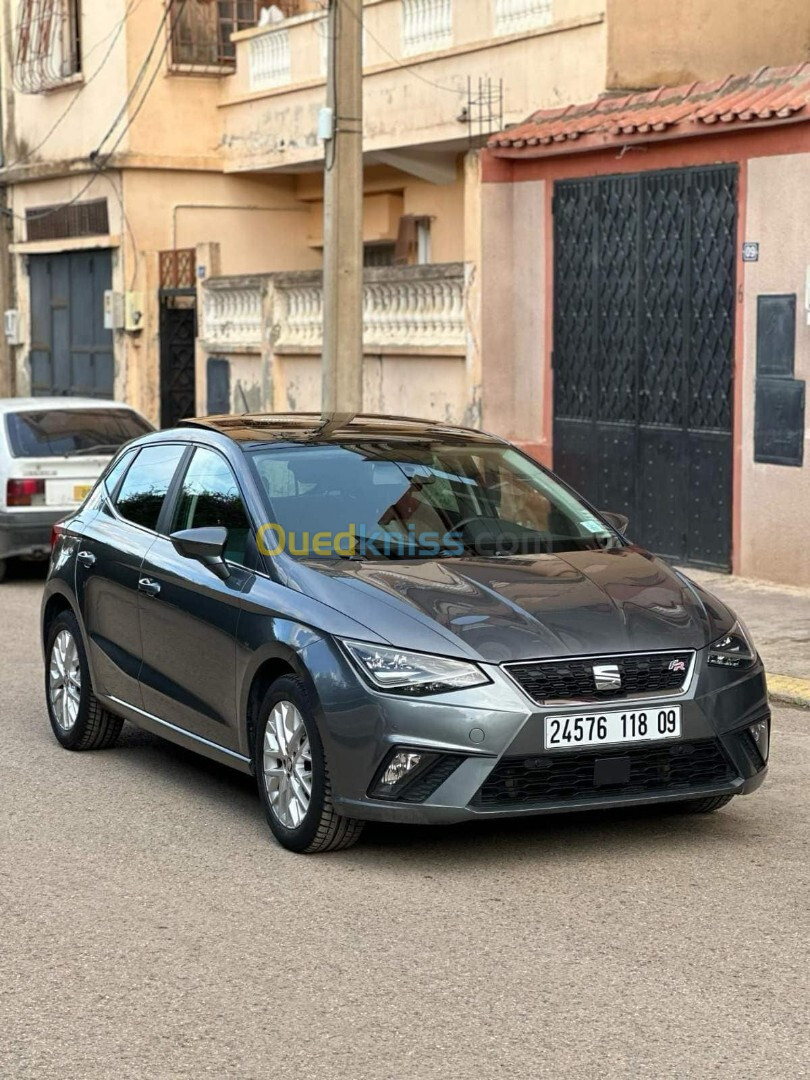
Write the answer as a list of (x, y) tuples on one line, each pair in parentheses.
[(619, 522), (207, 545)]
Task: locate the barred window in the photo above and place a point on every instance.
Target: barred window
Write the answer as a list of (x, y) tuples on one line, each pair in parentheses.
[(201, 29), (48, 44)]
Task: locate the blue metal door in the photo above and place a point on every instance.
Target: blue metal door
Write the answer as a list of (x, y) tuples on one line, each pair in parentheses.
[(71, 352)]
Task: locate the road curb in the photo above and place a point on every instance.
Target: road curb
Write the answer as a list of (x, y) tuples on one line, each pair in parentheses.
[(789, 691)]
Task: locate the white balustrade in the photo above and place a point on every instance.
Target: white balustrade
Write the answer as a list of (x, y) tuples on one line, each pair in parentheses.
[(427, 25), (514, 16), (232, 316), (299, 316), (269, 60), (398, 313)]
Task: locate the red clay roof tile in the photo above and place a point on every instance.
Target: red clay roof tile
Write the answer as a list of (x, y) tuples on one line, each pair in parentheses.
[(769, 94)]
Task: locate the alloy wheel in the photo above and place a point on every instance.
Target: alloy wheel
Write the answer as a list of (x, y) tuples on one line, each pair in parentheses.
[(287, 764), (65, 680)]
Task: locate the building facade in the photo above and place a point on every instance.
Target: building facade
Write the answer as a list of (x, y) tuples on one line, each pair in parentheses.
[(163, 181), (669, 343)]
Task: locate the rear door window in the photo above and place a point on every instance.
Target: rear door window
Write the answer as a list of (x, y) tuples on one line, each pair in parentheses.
[(72, 432), (141, 495)]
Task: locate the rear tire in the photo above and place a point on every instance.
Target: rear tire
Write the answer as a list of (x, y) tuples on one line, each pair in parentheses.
[(703, 806), (78, 719), (292, 773), (3, 568)]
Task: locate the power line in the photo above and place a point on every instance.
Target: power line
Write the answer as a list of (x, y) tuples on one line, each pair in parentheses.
[(131, 119), (142, 72), (410, 68), (94, 155), (115, 33)]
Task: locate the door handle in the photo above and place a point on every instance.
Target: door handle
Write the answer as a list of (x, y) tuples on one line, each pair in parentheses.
[(151, 588), (86, 558)]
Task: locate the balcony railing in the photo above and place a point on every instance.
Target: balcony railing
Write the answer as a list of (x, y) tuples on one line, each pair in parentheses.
[(232, 314), (427, 25), (513, 16), (404, 309), (270, 60)]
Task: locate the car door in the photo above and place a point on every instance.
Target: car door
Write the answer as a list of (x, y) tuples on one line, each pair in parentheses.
[(108, 565), (189, 616)]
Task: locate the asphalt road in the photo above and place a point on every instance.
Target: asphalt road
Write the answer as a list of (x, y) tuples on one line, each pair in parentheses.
[(152, 928)]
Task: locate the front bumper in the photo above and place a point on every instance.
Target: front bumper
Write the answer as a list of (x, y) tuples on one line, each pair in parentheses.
[(497, 734), (27, 532)]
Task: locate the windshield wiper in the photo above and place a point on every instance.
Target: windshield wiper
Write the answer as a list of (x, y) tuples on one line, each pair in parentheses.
[(97, 448)]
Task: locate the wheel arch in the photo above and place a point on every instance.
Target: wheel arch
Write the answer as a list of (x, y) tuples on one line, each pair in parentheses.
[(52, 608), (267, 669)]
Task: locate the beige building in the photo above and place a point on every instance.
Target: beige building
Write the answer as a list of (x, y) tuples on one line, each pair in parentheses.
[(164, 172), (143, 139)]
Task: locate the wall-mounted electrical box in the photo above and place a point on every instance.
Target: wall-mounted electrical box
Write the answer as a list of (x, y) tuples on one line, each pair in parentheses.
[(113, 310), (11, 326), (133, 311)]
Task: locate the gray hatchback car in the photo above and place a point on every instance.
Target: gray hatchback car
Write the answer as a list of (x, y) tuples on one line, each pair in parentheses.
[(392, 620)]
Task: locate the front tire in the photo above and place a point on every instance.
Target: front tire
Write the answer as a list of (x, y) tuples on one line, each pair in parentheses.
[(78, 719), (293, 776)]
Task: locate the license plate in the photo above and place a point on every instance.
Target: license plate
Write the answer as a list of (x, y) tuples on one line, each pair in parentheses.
[(81, 491), (609, 728)]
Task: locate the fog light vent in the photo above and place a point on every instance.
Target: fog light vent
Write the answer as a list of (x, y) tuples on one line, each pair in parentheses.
[(413, 775), (761, 734)]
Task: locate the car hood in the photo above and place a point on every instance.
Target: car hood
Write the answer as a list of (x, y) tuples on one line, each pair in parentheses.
[(522, 607)]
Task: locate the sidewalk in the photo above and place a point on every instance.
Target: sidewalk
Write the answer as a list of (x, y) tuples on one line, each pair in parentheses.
[(778, 617)]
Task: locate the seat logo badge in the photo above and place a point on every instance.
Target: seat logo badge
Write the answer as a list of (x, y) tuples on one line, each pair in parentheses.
[(677, 665), (607, 676)]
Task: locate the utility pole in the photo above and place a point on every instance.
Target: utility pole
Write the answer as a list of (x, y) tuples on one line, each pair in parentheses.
[(343, 225)]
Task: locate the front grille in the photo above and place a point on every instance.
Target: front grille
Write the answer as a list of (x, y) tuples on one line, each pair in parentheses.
[(641, 674), (541, 779)]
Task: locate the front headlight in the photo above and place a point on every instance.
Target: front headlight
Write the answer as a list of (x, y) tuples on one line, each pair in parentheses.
[(733, 649), (401, 672)]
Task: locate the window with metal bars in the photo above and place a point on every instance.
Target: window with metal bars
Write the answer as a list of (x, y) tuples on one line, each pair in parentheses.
[(201, 29), (47, 48)]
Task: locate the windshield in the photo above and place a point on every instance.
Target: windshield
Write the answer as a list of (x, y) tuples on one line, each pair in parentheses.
[(418, 500), (72, 432)]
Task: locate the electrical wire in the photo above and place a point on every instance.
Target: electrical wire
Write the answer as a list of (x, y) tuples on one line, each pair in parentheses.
[(115, 33), (410, 68), (134, 116), (98, 165), (142, 72), (333, 29), (128, 225)]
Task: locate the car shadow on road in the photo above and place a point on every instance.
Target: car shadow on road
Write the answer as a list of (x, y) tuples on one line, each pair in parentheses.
[(567, 837)]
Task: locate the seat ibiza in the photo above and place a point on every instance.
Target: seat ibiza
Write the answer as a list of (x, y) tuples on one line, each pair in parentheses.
[(392, 620)]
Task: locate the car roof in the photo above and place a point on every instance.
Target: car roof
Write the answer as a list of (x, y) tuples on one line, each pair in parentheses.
[(23, 404), (258, 429)]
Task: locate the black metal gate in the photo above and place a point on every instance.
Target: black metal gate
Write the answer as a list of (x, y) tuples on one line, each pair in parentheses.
[(178, 332), (644, 290)]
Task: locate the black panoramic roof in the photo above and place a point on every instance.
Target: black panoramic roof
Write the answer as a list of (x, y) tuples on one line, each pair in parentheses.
[(332, 427)]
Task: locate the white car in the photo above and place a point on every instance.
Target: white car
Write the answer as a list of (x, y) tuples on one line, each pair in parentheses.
[(52, 451)]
